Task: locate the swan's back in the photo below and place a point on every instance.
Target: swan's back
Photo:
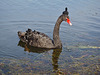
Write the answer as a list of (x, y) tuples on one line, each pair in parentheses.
[(36, 39)]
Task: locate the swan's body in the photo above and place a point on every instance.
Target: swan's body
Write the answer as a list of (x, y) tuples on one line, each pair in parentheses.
[(36, 39), (41, 40)]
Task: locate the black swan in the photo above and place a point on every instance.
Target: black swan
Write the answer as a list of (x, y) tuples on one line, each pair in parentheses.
[(41, 40)]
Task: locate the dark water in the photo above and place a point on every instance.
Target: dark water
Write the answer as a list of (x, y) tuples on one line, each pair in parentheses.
[(80, 54)]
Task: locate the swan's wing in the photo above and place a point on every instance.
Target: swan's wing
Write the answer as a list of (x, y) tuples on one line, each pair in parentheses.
[(37, 39)]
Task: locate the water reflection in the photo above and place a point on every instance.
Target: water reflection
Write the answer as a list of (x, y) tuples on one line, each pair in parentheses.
[(55, 55)]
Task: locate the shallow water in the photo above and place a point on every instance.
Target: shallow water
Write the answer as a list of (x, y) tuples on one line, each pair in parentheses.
[(81, 42)]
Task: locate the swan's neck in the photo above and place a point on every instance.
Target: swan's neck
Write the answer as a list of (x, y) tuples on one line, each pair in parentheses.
[(56, 37)]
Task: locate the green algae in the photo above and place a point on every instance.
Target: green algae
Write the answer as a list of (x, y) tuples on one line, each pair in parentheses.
[(84, 64), (77, 61)]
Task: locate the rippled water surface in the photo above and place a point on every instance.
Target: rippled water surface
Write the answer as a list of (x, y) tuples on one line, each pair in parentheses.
[(80, 54)]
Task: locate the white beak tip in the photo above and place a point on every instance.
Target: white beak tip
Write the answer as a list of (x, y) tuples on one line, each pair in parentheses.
[(70, 24)]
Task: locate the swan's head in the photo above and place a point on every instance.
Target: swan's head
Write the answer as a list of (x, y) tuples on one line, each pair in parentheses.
[(66, 17)]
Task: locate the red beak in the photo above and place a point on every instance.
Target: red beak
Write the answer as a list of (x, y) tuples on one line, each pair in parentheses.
[(68, 21)]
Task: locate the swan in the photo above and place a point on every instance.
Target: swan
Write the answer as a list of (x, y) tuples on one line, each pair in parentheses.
[(41, 40)]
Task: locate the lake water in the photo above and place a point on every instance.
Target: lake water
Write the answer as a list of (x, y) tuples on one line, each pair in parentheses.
[(80, 54)]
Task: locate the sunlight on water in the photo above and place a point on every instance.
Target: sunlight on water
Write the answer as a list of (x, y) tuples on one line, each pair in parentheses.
[(80, 54)]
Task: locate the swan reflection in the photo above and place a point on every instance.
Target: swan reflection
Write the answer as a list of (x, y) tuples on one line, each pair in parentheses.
[(55, 54)]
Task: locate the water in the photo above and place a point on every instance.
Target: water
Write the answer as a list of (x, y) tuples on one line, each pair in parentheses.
[(16, 58)]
